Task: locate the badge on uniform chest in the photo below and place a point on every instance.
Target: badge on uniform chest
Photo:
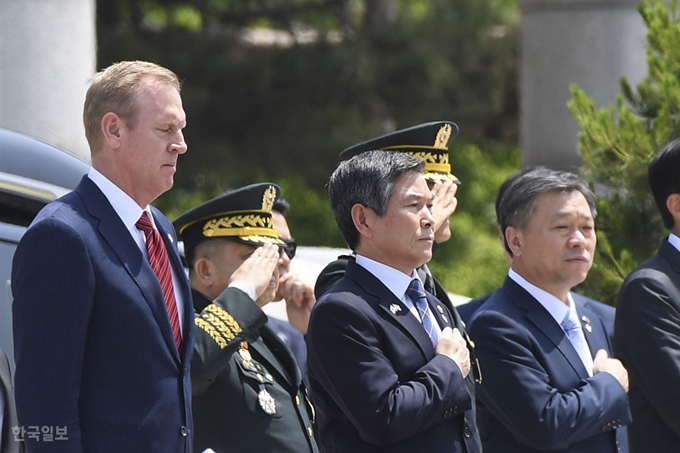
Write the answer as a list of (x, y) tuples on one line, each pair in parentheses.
[(267, 402)]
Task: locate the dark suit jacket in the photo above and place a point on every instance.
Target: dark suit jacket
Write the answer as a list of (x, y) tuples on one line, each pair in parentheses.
[(469, 308), (374, 376), (295, 341), (9, 420), (228, 413), (335, 270), (536, 393), (648, 343), (94, 349)]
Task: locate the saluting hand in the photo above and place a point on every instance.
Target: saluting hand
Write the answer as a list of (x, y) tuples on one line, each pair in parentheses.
[(260, 269), (445, 202), (299, 297)]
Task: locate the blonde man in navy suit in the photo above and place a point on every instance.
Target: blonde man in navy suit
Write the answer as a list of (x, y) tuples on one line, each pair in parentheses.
[(387, 371), (102, 350)]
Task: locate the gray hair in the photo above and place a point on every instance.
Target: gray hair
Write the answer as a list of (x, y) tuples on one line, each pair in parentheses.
[(515, 202), (367, 179)]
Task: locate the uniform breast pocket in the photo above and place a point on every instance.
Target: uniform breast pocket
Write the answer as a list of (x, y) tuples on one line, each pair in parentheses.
[(261, 394)]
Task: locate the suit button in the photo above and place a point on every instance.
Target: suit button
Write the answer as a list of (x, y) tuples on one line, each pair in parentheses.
[(467, 432), (184, 431), (310, 431)]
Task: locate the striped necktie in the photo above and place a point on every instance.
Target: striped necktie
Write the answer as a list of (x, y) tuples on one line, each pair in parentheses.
[(158, 258), (416, 293)]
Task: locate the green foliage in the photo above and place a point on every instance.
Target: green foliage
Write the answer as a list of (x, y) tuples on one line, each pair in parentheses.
[(617, 144), (284, 112), (310, 217), (472, 262)]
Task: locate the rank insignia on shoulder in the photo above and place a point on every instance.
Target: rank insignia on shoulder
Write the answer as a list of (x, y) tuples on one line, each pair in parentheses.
[(267, 403), (394, 308)]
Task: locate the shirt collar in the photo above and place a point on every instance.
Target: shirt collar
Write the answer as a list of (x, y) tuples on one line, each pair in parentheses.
[(557, 309), (396, 281), (127, 209), (675, 241)]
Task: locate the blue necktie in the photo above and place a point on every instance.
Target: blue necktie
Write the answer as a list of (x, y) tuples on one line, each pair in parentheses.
[(416, 293), (578, 340)]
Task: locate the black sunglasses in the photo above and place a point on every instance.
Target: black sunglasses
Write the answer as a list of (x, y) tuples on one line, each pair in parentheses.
[(290, 247)]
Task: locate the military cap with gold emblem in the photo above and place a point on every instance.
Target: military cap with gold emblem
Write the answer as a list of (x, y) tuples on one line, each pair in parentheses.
[(428, 142), (243, 215)]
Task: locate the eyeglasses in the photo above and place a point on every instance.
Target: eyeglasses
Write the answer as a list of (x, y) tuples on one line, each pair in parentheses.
[(290, 248)]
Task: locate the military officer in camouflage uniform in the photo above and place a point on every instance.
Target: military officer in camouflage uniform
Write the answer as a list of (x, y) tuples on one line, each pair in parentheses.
[(252, 399)]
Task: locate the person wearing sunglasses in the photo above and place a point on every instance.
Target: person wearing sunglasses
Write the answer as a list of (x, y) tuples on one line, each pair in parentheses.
[(252, 398), (297, 294)]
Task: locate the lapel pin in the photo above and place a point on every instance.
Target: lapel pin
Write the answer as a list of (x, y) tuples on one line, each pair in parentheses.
[(445, 319), (588, 327), (441, 310), (394, 308), (170, 237)]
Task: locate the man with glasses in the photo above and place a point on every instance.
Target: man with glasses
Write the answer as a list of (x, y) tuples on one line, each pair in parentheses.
[(297, 294), (252, 399)]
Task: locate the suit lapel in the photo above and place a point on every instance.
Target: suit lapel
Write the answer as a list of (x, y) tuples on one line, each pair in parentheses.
[(541, 319), (593, 328), (671, 254), (114, 232), (384, 301), (441, 313)]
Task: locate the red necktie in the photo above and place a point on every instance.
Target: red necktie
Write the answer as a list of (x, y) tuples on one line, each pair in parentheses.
[(158, 258)]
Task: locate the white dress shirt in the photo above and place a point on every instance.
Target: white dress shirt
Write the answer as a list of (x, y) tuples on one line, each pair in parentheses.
[(129, 212), (397, 282), (675, 241), (557, 309)]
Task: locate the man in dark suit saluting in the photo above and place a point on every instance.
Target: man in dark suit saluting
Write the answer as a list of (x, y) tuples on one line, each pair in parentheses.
[(103, 322), (549, 383), (386, 369)]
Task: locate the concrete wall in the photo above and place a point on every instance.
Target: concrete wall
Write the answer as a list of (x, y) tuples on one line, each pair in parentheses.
[(592, 43), (47, 56)]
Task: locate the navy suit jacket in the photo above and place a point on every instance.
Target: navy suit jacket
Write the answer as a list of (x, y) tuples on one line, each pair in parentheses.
[(375, 378), (94, 349), (469, 308), (295, 341), (648, 343), (536, 392)]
